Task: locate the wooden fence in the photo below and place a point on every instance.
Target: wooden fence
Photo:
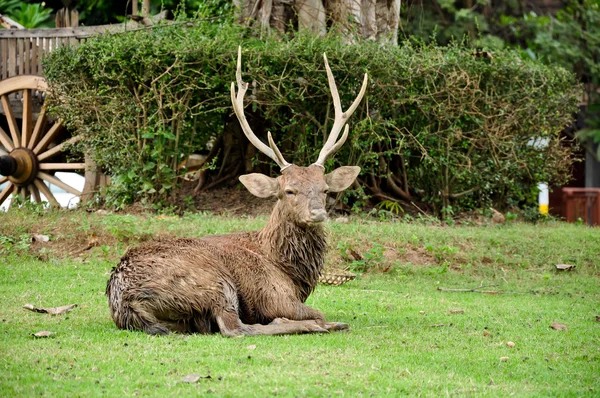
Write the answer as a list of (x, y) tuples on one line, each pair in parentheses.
[(22, 50)]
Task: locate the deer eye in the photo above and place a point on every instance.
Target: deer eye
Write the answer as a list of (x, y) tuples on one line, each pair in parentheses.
[(290, 192)]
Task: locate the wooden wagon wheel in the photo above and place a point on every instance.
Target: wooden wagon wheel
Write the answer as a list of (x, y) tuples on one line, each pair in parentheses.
[(31, 150)]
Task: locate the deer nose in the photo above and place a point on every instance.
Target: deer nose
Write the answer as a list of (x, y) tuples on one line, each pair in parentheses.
[(318, 215)]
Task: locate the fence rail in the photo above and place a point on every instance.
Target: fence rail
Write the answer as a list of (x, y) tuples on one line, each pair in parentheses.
[(22, 50)]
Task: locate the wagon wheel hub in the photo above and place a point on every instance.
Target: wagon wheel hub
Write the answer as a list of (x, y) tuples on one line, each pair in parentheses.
[(20, 165)]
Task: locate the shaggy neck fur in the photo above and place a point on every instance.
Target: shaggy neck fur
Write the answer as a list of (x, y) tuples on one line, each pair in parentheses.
[(300, 250)]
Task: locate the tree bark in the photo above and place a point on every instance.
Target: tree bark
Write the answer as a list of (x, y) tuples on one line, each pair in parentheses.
[(311, 16), (370, 19)]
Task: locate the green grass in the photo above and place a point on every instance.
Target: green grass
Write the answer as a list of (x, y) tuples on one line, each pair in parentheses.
[(406, 338)]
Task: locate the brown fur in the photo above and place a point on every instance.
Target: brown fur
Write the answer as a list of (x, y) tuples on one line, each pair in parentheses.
[(239, 284)]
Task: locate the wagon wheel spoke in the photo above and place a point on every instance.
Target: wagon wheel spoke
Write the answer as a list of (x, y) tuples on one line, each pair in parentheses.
[(62, 166), (6, 141), (44, 190), (27, 118), (50, 135), (35, 193), (8, 189), (53, 151), (12, 122), (58, 183), (40, 126)]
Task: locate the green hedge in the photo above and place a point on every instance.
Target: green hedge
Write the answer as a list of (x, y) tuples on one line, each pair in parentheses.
[(441, 126)]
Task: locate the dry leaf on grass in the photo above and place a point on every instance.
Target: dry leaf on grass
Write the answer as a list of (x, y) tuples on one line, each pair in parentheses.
[(558, 326), (251, 347), (52, 311), (193, 378), (356, 255), (565, 267), (92, 242), (457, 311), (43, 333), (504, 359), (39, 238)]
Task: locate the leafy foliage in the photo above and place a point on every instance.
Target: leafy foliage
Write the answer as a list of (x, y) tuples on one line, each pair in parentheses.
[(8, 7), (34, 15), (570, 38), (440, 126)]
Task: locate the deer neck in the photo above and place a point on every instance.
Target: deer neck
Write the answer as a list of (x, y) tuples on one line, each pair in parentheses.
[(299, 250)]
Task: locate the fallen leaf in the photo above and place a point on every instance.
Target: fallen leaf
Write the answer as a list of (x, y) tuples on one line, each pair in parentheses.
[(558, 326), (504, 359), (43, 333), (193, 378), (39, 238), (486, 333), (52, 311), (93, 241), (251, 347), (437, 325), (510, 344), (356, 255), (565, 267), (190, 378), (457, 311)]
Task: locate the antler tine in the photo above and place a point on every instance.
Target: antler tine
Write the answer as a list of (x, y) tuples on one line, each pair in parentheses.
[(238, 107), (332, 144)]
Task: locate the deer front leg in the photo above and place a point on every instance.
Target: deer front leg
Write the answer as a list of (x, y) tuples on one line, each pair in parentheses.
[(328, 326), (230, 325), (301, 312), (309, 313)]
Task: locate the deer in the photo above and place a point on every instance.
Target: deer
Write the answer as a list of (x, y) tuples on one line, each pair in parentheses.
[(245, 283)]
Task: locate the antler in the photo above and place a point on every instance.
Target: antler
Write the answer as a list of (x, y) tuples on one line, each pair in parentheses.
[(341, 117), (238, 107)]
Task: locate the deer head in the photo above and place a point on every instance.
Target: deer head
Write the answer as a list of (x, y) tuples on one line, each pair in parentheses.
[(301, 190)]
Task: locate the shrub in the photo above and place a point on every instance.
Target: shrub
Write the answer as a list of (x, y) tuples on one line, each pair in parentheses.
[(440, 126)]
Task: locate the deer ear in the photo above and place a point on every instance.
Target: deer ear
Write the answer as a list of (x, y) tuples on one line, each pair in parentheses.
[(260, 185), (341, 178)]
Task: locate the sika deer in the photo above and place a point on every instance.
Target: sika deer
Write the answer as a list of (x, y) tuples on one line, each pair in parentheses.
[(249, 283)]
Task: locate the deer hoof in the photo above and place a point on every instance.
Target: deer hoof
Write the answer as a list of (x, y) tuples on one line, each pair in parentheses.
[(337, 327)]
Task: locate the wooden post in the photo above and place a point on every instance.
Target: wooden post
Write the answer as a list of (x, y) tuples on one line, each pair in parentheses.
[(145, 8), (66, 18), (134, 7), (92, 179)]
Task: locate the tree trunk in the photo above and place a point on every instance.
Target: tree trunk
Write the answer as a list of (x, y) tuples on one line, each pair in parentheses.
[(388, 18), (311, 16), (370, 19)]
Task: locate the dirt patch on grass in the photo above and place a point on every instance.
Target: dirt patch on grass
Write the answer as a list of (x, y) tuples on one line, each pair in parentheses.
[(227, 200), (377, 260), (417, 256)]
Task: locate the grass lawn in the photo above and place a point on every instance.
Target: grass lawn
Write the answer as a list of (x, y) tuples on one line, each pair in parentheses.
[(410, 335)]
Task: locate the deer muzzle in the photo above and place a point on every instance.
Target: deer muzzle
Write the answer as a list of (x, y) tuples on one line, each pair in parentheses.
[(318, 215)]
